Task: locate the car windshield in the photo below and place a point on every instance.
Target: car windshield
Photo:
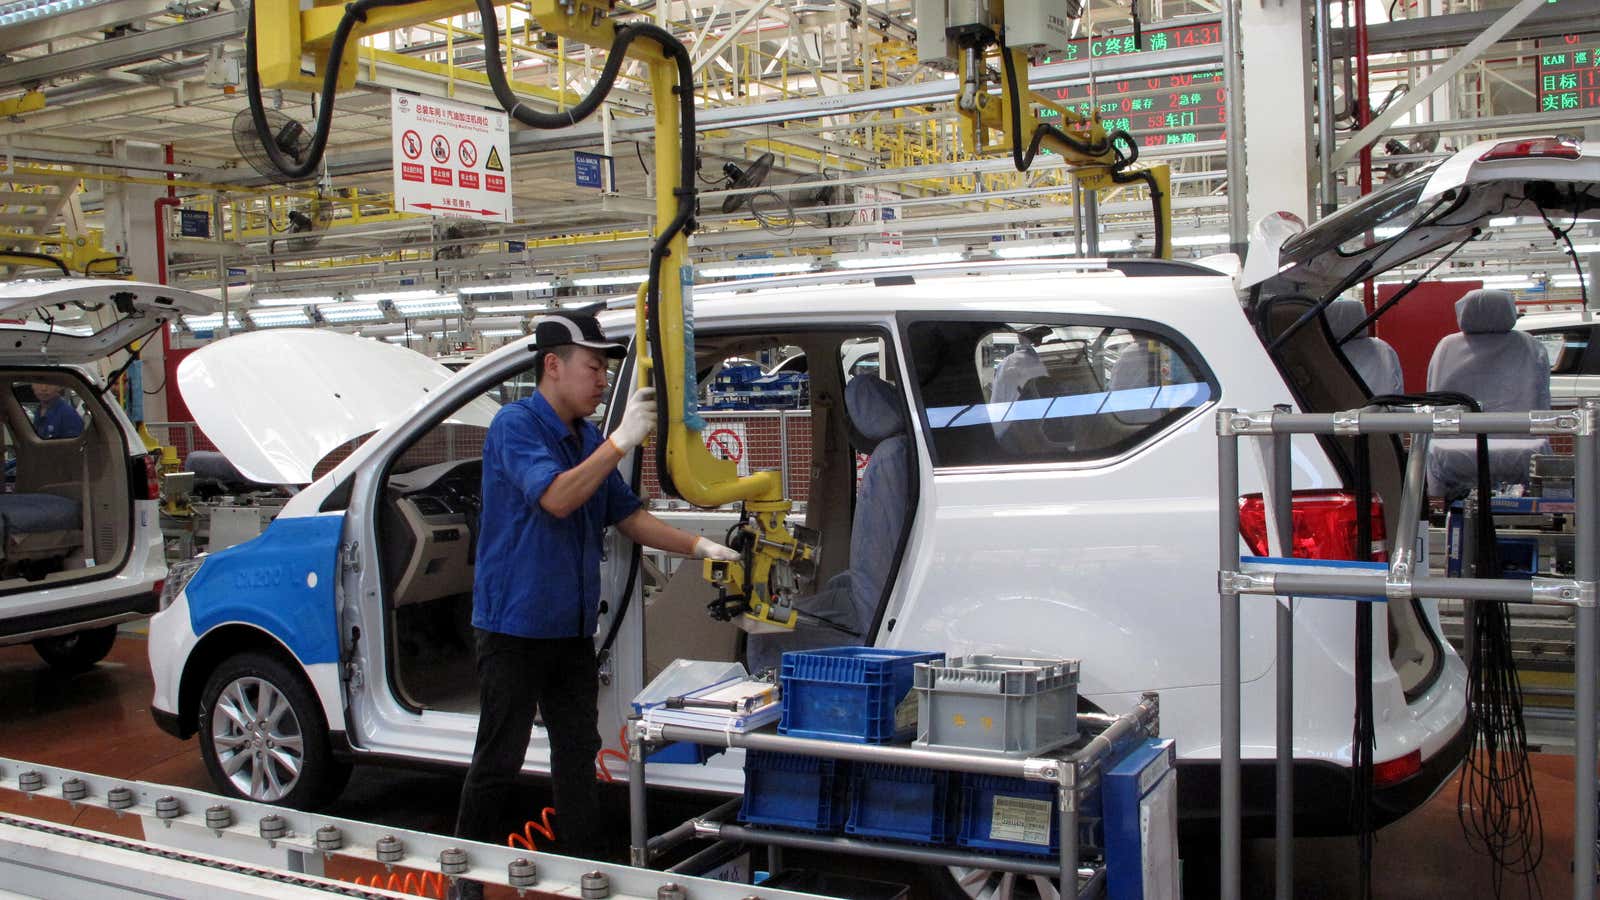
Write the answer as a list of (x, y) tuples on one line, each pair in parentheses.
[(1385, 211)]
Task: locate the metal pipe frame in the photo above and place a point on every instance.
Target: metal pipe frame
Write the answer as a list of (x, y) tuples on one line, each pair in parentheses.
[(1072, 774), (1228, 600), (1283, 813), (1400, 583)]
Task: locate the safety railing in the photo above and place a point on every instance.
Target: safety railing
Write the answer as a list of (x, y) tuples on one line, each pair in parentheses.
[(1400, 582)]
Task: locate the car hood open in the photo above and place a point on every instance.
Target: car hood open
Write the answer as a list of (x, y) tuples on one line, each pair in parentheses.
[(275, 403), (130, 309), (1453, 199)]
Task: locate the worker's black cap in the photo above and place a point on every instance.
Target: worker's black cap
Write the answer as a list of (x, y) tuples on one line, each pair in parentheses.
[(578, 328)]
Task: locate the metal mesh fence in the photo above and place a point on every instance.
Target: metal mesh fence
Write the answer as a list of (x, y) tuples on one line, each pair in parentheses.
[(756, 441)]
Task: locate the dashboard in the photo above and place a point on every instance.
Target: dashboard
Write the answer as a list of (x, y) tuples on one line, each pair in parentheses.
[(438, 508)]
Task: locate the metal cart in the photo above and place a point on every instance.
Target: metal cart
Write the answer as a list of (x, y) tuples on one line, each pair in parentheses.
[(1073, 771)]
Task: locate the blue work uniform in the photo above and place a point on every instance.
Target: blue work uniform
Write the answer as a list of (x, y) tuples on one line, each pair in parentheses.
[(57, 419), (538, 575)]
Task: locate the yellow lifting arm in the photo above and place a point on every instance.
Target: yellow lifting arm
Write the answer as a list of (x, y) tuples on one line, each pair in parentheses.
[(757, 589), (1008, 121)]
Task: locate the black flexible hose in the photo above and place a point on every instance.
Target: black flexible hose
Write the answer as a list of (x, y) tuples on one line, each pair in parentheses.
[(1023, 159), (354, 12), (494, 67)]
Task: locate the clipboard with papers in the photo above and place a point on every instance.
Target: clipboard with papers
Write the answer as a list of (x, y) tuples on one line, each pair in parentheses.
[(736, 704)]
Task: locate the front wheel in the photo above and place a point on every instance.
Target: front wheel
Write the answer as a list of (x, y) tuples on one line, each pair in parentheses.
[(78, 651), (263, 736)]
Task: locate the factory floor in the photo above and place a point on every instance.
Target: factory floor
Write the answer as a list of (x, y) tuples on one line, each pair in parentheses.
[(100, 722)]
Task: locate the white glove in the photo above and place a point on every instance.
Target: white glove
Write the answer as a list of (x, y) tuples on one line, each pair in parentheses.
[(638, 420), (709, 549)]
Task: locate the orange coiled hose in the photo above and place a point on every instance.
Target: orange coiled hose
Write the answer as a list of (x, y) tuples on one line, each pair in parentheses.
[(542, 827), (600, 758), (417, 884)]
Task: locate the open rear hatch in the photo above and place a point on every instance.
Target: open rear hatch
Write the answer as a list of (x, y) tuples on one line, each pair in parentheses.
[(1420, 220), (72, 473)]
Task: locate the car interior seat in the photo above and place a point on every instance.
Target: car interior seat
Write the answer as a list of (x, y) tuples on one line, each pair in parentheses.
[(1505, 371), (883, 504), (1373, 359)]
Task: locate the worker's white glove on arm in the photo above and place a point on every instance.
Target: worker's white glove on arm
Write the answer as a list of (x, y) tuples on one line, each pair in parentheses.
[(709, 549), (638, 420)]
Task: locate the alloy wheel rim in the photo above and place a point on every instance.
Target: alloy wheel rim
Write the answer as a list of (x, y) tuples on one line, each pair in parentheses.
[(257, 739)]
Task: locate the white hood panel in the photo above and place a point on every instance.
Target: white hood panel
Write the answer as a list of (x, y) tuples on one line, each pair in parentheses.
[(120, 312), (276, 402)]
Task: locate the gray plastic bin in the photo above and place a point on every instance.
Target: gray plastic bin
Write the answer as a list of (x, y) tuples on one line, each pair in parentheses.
[(1001, 705)]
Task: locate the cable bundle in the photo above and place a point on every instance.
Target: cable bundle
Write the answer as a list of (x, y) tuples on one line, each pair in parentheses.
[(1496, 802)]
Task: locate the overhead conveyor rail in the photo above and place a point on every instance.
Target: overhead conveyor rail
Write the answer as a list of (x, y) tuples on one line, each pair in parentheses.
[(1400, 582), (223, 843)]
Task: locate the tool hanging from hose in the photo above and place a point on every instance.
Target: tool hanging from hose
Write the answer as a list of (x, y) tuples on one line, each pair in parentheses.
[(1010, 120), (281, 34)]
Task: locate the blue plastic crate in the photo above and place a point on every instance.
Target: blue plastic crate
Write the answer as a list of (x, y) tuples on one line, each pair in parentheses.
[(861, 695), (1519, 556), (900, 803), (1020, 829), (783, 790), (1026, 822)]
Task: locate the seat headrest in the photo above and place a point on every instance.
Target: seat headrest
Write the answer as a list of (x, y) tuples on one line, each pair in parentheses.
[(874, 408), (1486, 312), (1344, 314)]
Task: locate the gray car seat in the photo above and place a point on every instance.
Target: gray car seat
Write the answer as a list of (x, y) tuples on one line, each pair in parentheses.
[(1373, 359), (883, 501), (1505, 371)]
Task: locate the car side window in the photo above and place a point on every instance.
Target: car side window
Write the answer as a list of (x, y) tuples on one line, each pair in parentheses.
[(55, 411), (1002, 393), (1565, 349)]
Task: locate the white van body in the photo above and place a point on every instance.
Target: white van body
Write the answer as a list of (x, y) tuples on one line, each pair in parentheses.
[(1112, 560)]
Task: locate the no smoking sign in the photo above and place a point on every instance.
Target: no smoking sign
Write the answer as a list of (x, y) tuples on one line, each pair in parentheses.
[(726, 440)]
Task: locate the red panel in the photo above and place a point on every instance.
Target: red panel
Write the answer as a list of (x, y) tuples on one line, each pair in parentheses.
[(177, 410), (1418, 322)]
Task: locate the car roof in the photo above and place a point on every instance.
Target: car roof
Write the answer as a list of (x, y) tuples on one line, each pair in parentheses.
[(1102, 292)]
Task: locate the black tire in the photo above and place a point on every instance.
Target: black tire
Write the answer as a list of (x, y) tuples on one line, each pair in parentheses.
[(284, 758), (78, 651)]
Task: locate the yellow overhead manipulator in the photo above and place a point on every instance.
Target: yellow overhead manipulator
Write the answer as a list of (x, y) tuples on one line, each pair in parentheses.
[(757, 589), (964, 34)]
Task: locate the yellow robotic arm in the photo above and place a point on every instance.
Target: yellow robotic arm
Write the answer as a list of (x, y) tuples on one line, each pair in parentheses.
[(757, 589), (970, 35)]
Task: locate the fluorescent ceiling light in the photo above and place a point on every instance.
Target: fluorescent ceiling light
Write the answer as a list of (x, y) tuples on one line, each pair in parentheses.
[(606, 278), (294, 301), (501, 332), (471, 289), (1503, 222), (209, 322), (511, 308), (279, 318), (397, 296), (777, 266), (435, 306), (1199, 240), (1028, 249), (1586, 248), (875, 261), (399, 338), (350, 312)]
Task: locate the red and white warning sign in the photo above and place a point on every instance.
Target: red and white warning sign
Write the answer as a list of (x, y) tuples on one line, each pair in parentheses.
[(451, 159), (726, 440)]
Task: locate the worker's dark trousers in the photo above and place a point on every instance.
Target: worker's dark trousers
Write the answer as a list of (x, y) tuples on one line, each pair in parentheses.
[(517, 675)]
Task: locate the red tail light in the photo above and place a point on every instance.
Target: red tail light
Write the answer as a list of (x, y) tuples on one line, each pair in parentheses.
[(1555, 148), (152, 478), (1395, 771), (1324, 525)]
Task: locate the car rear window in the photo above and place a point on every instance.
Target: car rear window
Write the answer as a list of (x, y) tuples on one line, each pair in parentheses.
[(1002, 393)]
